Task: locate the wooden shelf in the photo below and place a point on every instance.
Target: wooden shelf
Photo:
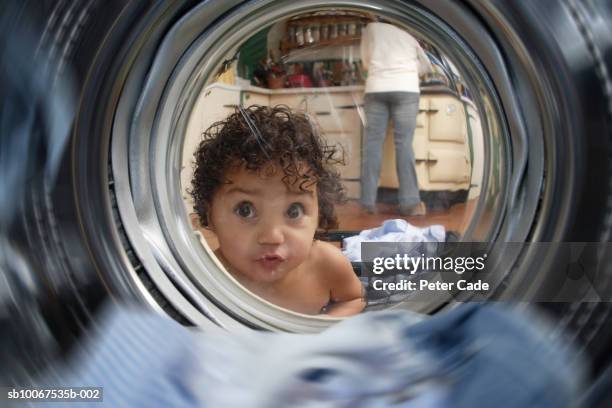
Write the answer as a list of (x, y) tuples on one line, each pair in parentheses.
[(347, 29), (327, 20), (286, 46)]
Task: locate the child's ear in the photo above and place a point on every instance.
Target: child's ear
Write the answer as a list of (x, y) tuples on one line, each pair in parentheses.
[(208, 225)]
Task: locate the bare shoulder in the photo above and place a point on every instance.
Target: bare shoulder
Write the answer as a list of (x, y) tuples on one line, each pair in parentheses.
[(325, 252), (331, 262), (336, 274)]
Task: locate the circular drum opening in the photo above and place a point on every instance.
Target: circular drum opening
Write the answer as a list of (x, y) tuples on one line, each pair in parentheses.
[(511, 145), (470, 145), (497, 156)]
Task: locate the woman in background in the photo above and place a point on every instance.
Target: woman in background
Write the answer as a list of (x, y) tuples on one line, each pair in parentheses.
[(394, 60)]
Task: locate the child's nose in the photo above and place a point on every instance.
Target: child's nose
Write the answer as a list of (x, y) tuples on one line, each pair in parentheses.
[(271, 234)]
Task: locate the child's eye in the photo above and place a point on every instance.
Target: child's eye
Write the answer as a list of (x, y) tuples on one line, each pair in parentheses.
[(296, 210), (245, 210)]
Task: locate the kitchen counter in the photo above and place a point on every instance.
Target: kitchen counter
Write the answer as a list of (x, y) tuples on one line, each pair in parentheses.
[(425, 89), (440, 141)]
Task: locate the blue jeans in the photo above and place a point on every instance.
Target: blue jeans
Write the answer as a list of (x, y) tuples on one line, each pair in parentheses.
[(403, 108), (474, 355)]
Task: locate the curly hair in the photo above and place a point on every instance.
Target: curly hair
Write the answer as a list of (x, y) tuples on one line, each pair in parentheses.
[(257, 136)]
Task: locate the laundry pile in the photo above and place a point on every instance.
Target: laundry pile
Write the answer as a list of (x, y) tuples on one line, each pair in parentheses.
[(474, 355)]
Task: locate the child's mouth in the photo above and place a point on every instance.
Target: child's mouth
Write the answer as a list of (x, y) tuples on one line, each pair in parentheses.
[(270, 261)]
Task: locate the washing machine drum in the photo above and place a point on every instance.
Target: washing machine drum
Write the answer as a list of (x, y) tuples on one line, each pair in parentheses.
[(106, 102)]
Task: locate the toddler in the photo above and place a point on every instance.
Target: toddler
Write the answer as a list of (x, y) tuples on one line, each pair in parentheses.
[(264, 184)]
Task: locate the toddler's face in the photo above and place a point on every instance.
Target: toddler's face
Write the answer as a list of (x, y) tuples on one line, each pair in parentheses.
[(265, 228)]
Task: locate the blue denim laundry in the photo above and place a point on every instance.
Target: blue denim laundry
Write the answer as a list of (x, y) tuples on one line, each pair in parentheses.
[(500, 358), (474, 355)]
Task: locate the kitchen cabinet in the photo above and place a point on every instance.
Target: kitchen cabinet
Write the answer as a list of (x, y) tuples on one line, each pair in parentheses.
[(441, 147), (215, 103), (334, 110)]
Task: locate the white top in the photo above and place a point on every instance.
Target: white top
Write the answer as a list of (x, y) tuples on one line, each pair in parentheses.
[(393, 59)]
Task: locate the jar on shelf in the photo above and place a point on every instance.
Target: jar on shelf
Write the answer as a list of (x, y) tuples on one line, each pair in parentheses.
[(299, 35), (333, 31), (316, 33), (324, 32), (308, 38), (291, 34), (352, 29)]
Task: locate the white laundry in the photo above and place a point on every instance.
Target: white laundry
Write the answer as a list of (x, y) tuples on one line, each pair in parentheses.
[(396, 230)]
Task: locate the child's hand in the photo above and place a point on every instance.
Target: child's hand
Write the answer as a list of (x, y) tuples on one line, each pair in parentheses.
[(346, 308)]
